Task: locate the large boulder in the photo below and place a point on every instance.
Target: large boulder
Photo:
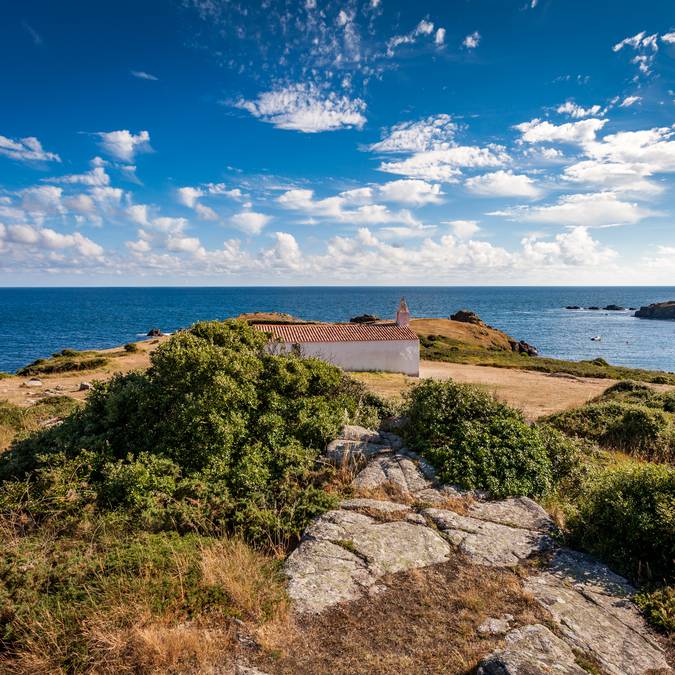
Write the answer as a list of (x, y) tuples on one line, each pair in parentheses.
[(467, 316), (657, 310)]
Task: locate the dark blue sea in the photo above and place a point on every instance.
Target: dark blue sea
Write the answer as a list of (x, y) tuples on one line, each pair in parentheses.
[(35, 322)]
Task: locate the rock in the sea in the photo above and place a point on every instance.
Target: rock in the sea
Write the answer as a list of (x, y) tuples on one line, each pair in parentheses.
[(572, 307), (154, 332), (364, 318), (594, 308), (523, 347), (657, 310), (615, 308), (467, 316), (531, 650)]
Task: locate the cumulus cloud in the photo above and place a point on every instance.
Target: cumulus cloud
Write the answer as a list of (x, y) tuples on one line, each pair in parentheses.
[(306, 108), (46, 238), (628, 178), (415, 192), (472, 40), (432, 133), (27, 149), (343, 208), (581, 132), (599, 209), (124, 145), (97, 176), (575, 248), (503, 184), (445, 165), (249, 222), (464, 229), (439, 39), (573, 110)]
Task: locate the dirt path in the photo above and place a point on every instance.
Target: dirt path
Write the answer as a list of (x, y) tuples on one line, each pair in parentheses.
[(536, 394)]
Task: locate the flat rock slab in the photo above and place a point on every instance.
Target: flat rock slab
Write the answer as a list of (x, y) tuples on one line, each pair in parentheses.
[(488, 543), (405, 470), (531, 650), (592, 608), (520, 512), (380, 507), (343, 554)]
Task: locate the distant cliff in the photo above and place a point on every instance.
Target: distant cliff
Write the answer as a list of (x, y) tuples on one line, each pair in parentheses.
[(658, 310)]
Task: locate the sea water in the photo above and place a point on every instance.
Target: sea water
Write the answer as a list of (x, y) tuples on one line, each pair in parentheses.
[(35, 322)]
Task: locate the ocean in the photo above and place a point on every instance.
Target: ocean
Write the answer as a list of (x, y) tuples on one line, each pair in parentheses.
[(35, 322)]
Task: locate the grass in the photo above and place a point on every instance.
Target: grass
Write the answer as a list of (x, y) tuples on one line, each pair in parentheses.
[(67, 360), (17, 421), (441, 348), (100, 601), (426, 622)]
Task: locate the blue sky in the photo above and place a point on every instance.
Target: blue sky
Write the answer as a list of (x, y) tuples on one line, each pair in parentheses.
[(354, 142)]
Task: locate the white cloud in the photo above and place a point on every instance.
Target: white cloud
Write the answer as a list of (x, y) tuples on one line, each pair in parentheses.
[(439, 39), (652, 147), (416, 192), (445, 165), (123, 145), (97, 176), (339, 208), (183, 244), (617, 176), (629, 101), (221, 189), (423, 28), (472, 40), (503, 184), (464, 229), (599, 209), (581, 132), (306, 108), (49, 239), (432, 133), (574, 248), (250, 222), (27, 149), (188, 196), (42, 200), (668, 38), (638, 41), (142, 75), (205, 212), (285, 254), (573, 110)]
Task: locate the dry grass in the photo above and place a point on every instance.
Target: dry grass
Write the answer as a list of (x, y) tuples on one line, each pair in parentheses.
[(425, 622)]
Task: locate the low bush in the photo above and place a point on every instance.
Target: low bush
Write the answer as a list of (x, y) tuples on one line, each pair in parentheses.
[(131, 347), (626, 515), (658, 607), (63, 364), (477, 442), (216, 437), (629, 416)]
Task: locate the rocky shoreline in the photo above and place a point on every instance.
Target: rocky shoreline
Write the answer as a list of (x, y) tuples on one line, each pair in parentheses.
[(659, 310)]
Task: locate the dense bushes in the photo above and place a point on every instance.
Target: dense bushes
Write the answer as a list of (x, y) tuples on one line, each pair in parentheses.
[(626, 516), (628, 416), (477, 442), (217, 436)]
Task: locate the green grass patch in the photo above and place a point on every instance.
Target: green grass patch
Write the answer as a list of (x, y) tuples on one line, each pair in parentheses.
[(67, 360), (440, 348)]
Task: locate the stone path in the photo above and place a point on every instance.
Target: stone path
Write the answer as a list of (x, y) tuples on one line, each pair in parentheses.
[(344, 554)]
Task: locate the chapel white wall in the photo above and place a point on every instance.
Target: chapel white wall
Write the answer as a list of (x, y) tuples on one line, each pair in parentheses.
[(394, 356)]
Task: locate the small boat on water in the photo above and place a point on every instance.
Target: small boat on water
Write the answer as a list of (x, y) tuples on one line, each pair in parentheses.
[(596, 338)]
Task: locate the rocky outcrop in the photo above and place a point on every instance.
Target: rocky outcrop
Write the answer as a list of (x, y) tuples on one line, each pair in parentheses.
[(658, 310), (615, 308), (403, 519), (154, 332), (364, 318), (523, 347), (467, 316)]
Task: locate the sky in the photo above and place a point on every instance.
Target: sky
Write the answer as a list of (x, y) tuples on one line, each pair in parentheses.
[(358, 142)]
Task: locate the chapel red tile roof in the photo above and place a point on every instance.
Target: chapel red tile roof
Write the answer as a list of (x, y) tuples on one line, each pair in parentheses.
[(337, 332)]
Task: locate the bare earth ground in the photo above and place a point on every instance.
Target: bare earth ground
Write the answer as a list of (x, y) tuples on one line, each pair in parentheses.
[(536, 394)]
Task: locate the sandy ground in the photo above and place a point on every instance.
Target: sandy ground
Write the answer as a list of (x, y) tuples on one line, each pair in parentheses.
[(536, 394)]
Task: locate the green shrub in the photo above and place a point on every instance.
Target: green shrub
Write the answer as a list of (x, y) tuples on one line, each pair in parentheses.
[(477, 442), (626, 516), (217, 436), (131, 347), (658, 607), (62, 364)]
